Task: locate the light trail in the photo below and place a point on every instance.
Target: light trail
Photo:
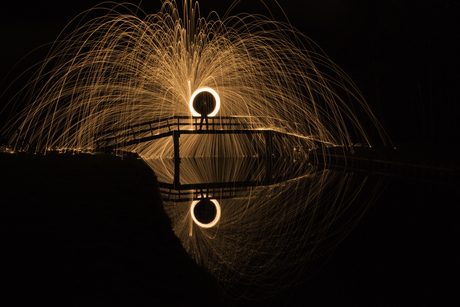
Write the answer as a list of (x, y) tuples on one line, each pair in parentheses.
[(120, 69), (213, 222), (208, 90), (267, 235)]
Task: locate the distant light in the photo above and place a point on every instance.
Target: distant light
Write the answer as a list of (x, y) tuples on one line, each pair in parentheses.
[(209, 90)]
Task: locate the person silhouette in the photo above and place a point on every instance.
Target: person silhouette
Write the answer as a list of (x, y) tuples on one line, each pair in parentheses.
[(204, 114)]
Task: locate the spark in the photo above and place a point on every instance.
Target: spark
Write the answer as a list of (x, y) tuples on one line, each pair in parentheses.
[(213, 222), (266, 235), (208, 90), (119, 70)]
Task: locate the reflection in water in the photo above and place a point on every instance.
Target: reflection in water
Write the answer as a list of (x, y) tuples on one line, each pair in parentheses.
[(265, 228), (205, 212)]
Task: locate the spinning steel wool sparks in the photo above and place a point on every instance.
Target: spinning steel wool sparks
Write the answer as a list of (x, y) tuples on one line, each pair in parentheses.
[(117, 73), (262, 237)]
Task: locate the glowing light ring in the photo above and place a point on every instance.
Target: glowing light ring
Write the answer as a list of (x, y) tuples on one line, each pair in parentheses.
[(216, 219), (209, 90)]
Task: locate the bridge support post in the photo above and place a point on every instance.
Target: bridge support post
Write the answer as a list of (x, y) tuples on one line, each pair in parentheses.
[(268, 135), (176, 135)]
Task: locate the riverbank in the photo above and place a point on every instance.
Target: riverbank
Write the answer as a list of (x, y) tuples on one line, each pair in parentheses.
[(91, 230)]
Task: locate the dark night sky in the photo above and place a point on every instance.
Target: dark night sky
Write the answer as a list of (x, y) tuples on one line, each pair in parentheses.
[(401, 53)]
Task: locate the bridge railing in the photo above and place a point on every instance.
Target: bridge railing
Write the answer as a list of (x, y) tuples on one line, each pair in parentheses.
[(163, 127)]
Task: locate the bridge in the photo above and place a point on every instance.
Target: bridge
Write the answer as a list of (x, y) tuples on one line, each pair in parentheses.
[(179, 125), (356, 160), (176, 126)]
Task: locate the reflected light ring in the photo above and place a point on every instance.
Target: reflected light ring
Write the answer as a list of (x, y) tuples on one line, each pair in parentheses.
[(216, 219), (213, 93)]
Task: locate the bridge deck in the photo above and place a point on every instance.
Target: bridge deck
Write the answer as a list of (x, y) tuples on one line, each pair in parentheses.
[(148, 131), (185, 125)]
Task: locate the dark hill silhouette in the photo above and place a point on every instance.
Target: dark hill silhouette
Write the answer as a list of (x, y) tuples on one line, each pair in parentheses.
[(90, 230)]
